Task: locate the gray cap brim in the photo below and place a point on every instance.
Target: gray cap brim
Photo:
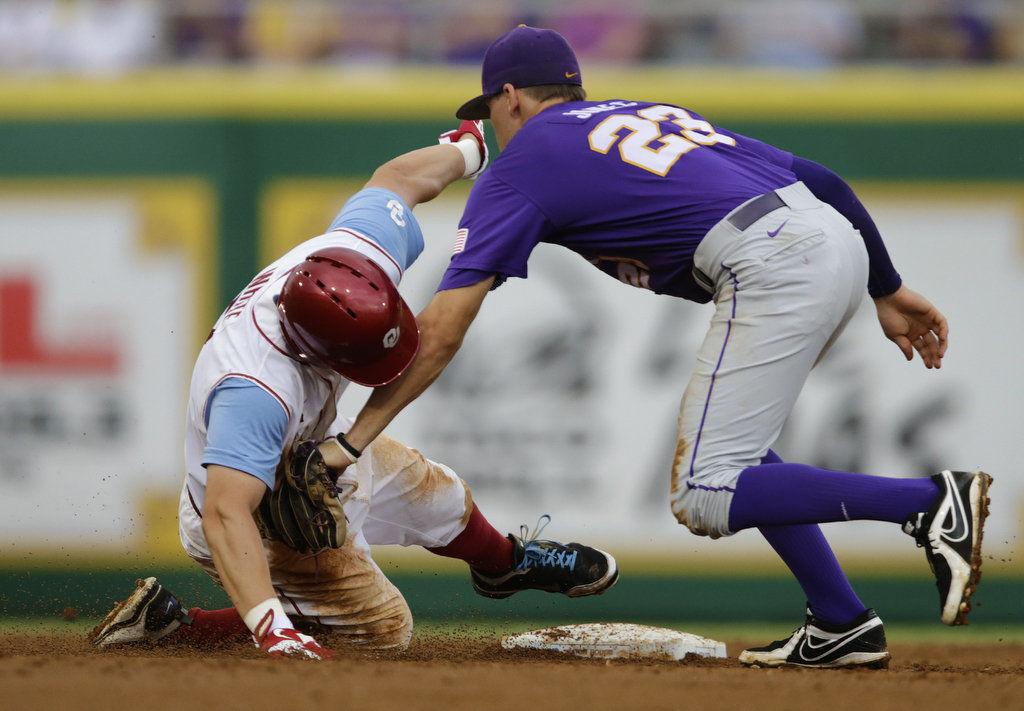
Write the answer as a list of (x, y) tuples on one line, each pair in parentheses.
[(474, 109)]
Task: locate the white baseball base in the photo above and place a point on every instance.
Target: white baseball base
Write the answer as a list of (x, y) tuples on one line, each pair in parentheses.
[(616, 641)]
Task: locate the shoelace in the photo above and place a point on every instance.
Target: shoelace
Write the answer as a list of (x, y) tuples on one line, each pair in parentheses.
[(918, 528), (543, 554), (913, 527)]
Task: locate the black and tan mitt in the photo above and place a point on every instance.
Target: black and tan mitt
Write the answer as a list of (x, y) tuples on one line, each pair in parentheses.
[(304, 510)]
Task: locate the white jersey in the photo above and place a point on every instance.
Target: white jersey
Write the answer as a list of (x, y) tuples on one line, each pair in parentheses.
[(394, 495), (247, 342)]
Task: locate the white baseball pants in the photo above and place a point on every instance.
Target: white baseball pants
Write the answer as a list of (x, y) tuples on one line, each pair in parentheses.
[(402, 498), (784, 289)]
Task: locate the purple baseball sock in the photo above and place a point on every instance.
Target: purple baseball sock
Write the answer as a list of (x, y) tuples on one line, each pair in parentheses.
[(814, 565), (777, 494), (807, 554)]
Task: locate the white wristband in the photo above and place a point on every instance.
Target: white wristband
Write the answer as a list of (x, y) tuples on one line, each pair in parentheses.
[(470, 148), (258, 621)]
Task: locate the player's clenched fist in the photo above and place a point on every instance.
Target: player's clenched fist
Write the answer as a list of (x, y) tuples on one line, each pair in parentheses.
[(469, 138), (284, 642)]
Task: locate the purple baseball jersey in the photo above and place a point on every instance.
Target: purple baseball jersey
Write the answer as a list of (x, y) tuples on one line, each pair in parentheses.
[(630, 186)]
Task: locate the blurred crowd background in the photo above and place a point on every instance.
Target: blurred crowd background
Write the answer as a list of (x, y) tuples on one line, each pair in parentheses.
[(116, 36)]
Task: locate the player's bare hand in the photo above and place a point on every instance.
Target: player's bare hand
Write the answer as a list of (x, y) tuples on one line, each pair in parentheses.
[(334, 456), (283, 642), (911, 322)]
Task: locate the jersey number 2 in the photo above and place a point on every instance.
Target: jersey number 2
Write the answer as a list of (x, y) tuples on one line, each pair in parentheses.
[(397, 212), (644, 129)]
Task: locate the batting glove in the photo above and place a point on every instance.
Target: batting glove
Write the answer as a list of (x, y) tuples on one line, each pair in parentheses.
[(476, 160), (284, 642)]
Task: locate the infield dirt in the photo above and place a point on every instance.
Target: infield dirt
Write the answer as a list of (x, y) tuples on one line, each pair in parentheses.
[(455, 672)]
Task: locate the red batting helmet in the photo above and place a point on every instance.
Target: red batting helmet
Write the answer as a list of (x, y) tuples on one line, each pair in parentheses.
[(340, 310)]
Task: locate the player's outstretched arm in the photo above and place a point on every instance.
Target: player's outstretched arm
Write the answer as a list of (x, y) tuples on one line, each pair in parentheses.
[(420, 176), (911, 322), (238, 555), (443, 325), (231, 497)]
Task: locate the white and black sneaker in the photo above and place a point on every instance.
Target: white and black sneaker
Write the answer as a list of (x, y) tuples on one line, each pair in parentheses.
[(148, 614), (950, 533), (819, 645), (572, 569)]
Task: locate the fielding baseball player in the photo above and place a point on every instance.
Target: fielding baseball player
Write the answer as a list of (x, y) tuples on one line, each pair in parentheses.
[(656, 196), (284, 535)]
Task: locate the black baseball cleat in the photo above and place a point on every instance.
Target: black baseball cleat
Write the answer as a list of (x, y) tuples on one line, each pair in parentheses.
[(572, 569), (950, 533), (822, 646), (149, 613)]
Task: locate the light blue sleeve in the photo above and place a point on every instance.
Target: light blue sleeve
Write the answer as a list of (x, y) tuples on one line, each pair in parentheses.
[(245, 428), (383, 216)]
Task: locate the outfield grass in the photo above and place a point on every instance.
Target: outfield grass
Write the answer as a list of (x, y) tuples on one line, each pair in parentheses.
[(897, 633)]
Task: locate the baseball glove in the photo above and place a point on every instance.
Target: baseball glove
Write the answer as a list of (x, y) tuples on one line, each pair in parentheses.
[(304, 511)]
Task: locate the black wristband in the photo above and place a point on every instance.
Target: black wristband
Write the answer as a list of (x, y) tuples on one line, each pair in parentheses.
[(347, 446)]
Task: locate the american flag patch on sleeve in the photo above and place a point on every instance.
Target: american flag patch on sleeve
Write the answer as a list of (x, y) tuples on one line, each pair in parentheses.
[(460, 240)]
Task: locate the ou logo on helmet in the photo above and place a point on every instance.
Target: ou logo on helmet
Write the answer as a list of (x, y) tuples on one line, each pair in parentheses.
[(391, 337)]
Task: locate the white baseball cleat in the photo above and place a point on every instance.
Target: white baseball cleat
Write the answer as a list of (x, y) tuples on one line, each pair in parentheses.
[(148, 614), (950, 533)]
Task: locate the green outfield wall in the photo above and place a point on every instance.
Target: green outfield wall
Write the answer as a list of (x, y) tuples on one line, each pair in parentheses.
[(47, 593)]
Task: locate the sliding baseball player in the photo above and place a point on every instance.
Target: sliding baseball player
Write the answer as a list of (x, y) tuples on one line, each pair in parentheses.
[(261, 512)]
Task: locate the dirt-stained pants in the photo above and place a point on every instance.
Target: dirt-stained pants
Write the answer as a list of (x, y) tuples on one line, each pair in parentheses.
[(401, 498), (784, 289)]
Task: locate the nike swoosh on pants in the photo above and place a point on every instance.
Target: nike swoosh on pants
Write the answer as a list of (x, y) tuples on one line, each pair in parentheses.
[(772, 233)]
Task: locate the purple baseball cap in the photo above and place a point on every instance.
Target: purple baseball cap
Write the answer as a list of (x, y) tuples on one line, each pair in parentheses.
[(525, 56)]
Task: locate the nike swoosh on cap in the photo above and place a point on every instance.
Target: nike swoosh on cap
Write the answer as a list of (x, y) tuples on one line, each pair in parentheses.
[(570, 75)]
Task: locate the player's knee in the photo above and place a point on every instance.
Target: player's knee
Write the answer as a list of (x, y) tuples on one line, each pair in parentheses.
[(393, 632), (387, 625), (687, 512), (403, 634), (391, 626), (681, 511), (703, 509)]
